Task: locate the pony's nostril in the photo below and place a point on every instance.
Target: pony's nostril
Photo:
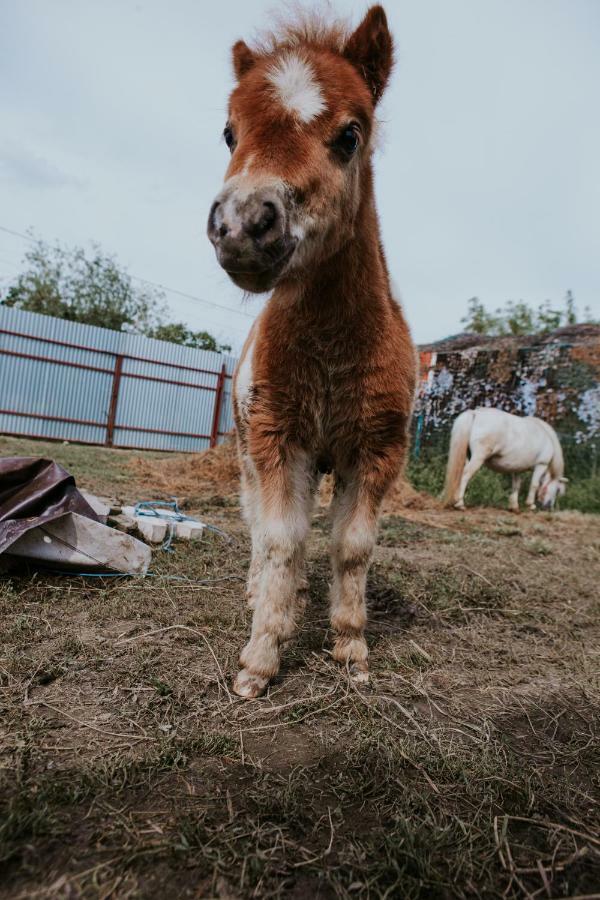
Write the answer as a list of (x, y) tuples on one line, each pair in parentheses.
[(212, 221), (269, 215), (265, 220), (223, 230)]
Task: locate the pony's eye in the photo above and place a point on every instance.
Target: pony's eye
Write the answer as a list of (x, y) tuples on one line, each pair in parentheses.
[(229, 137), (348, 140)]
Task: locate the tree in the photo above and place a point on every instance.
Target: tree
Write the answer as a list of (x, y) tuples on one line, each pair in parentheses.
[(92, 288), (478, 319), (517, 318), (548, 319), (177, 333), (521, 318), (571, 311)]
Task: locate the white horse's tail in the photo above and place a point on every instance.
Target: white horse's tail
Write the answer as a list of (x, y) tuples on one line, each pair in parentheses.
[(459, 443)]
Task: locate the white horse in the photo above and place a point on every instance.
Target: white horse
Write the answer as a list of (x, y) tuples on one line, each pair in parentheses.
[(505, 443)]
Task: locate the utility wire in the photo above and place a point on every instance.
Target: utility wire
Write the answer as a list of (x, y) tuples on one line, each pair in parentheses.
[(163, 287)]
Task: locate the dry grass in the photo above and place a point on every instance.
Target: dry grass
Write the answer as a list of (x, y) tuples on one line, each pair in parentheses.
[(191, 475), (470, 767), (217, 471)]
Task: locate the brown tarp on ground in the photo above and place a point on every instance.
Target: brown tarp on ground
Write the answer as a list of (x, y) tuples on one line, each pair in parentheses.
[(35, 491)]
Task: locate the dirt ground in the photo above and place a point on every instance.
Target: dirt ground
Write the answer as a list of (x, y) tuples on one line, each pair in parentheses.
[(468, 767)]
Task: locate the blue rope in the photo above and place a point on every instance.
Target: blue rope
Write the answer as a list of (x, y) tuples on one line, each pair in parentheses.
[(150, 507), (147, 575)]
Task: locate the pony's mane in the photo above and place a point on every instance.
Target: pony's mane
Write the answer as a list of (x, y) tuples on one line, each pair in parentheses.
[(300, 27)]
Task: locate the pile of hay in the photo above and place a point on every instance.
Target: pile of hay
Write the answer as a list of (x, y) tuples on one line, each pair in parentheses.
[(216, 471), (401, 495)]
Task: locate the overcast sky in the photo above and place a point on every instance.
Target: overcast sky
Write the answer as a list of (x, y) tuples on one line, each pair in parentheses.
[(488, 177)]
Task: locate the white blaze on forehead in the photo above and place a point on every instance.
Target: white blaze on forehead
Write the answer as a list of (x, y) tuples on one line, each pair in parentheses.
[(296, 87)]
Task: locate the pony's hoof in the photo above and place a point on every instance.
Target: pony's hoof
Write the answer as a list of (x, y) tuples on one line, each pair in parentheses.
[(249, 686), (459, 505), (359, 673), (532, 508)]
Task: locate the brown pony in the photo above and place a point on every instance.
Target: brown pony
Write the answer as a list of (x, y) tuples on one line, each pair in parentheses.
[(326, 378)]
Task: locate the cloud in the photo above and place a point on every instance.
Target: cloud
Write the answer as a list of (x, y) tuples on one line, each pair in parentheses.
[(19, 164)]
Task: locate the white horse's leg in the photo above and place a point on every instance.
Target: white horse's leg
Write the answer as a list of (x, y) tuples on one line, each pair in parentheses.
[(538, 473), (513, 500), (471, 468), (284, 504)]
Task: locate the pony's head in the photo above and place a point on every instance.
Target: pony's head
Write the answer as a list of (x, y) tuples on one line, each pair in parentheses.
[(300, 132), (550, 489)]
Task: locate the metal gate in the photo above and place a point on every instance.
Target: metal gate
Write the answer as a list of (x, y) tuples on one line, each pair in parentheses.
[(65, 381)]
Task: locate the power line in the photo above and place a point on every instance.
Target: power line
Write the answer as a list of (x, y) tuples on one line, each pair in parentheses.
[(155, 284), (163, 287), (25, 237)]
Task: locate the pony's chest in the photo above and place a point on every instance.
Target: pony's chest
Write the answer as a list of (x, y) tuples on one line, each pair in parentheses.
[(325, 389), (311, 396)]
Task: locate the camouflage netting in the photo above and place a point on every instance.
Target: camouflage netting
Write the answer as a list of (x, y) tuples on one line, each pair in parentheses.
[(553, 376)]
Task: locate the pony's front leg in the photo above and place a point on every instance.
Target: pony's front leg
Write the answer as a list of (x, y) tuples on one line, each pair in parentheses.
[(513, 500), (537, 476), (250, 496), (355, 510), (283, 520)]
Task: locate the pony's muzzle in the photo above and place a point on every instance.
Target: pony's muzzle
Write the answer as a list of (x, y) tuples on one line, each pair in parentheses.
[(249, 233)]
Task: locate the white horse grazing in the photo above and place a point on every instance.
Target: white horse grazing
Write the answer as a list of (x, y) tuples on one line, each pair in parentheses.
[(505, 443)]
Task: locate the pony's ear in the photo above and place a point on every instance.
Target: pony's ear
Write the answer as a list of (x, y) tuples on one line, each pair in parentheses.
[(243, 59), (370, 49)]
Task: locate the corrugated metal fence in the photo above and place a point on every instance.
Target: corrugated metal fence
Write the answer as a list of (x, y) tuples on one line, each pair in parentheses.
[(65, 381)]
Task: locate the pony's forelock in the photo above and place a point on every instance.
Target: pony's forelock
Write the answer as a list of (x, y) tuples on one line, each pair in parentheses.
[(297, 26)]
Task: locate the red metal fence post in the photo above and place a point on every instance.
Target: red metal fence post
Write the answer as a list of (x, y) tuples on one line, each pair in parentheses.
[(214, 434), (114, 398)]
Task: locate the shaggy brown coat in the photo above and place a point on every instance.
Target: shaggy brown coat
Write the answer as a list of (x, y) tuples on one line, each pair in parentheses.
[(327, 377)]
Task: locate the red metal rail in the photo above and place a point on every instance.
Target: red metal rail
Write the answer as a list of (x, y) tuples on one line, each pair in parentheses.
[(155, 362)]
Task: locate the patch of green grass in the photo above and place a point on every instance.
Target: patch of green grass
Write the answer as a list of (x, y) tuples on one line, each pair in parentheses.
[(395, 531), (489, 488), (443, 591), (103, 470), (161, 688), (37, 804), (582, 494), (486, 488), (538, 548)]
